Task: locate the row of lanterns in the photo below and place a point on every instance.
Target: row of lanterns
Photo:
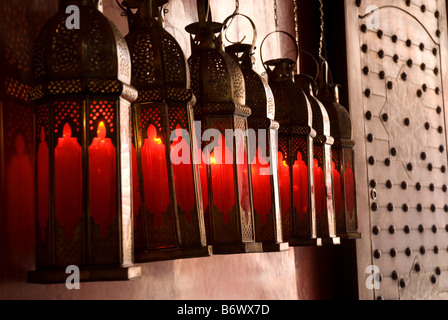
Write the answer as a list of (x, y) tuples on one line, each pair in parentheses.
[(110, 194)]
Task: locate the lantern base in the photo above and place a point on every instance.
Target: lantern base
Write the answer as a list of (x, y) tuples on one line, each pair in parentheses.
[(86, 274), (275, 247), (351, 235), (248, 247), (331, 241), (305, 242), (172, 254)]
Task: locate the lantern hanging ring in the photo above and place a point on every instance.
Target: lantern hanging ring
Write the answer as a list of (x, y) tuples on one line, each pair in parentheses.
[(296, 47), (254, 29), (315, 62)]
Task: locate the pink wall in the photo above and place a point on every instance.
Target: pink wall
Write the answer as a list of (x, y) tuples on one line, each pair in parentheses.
[(301, 273)]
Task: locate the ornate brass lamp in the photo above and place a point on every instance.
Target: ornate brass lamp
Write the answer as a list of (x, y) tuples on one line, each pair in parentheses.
[(342, 156), (83, 97), (264, 148), (323, 175), (169, 219), (218, 85), (295, 156)]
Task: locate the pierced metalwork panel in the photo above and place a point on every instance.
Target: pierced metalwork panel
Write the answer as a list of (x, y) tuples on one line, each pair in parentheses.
[(405, 146)]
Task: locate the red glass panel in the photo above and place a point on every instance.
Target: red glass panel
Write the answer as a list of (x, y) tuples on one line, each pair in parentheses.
[(68, 182), (183, 174), (300, 186), (349, 189), (285, 189), (261, 184), (243, 174), (43, 184), (222, 180), (135, 189), (102, 180), (337, 191), (320, 190), (155, 176)]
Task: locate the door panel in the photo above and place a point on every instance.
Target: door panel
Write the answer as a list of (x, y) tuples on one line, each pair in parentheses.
[(396, 84)]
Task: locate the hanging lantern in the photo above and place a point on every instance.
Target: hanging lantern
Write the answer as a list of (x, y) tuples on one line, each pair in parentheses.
[(323, 175), (218, 85), (342, 155), (169, 220), (295, 155), (263, 148), (83, 97)]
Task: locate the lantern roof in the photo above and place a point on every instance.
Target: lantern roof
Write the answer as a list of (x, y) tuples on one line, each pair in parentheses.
[(216, 78), (259, 96), (328, 94), (294, 111), (93, 59), (158, 62)]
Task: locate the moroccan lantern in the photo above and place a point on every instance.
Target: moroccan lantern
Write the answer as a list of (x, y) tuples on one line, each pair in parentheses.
[(169, 220), (323, 175), (218, 85), (342, 156), (263, 148), (295, 153), (83, 148)]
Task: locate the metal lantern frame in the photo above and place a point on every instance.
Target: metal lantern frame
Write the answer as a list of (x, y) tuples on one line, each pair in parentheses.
[(323, 174), (169, 220), (268, 224), (296, 155), (83, 96), (343, 156), (218, 84)]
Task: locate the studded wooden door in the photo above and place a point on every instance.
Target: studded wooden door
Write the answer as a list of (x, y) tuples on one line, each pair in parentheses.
[(396, 52)]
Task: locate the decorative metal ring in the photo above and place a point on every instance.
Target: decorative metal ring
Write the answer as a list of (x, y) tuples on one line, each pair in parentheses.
[(254, 29), (289, 36)]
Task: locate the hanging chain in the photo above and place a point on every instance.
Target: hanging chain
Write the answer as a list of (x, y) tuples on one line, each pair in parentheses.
[(277, 28), (296, 21), (296, 28), (322, 30)]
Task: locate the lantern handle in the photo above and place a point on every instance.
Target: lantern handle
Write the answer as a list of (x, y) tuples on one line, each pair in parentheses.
[(325, 75), (315, 61), (289, 36), (254, 29)]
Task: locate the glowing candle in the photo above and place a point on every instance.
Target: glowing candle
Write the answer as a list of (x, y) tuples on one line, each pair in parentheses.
[(337, 191), (43, 187), (155, 186), (285, 195), (319, 183), (183, 176), (300, 185), (222, 181), (102, 180), (349, 190), (261, 188), (68, 182)]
